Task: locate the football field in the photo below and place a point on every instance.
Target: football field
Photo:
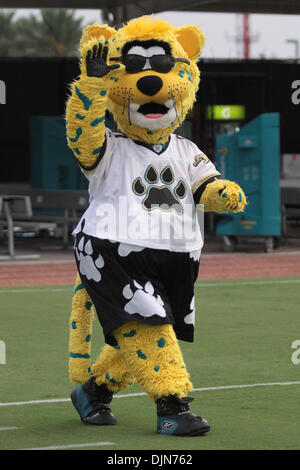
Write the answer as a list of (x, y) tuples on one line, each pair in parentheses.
[(244, 365)]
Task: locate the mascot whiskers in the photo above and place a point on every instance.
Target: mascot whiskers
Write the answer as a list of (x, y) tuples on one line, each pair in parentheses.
[(136, 265)]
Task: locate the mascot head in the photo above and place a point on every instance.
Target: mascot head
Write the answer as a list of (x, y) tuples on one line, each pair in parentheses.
[(151, 99)]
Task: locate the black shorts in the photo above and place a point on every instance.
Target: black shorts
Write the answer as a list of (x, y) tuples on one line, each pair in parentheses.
[(130, 283)]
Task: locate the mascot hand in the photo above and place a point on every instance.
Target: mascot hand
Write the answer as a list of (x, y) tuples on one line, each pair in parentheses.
[(94, 61), (222, 196)]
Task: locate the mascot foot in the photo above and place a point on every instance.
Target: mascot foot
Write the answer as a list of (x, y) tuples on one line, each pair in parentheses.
[(92, 403), (175, 418)]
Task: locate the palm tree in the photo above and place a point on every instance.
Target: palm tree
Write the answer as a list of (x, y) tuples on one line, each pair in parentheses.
[(7, 33), (56, 33)]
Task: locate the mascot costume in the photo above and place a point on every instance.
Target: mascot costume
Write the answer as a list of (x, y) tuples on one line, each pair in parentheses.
[(143, 179)]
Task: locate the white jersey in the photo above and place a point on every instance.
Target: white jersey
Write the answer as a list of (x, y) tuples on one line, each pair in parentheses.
[(144, 196)]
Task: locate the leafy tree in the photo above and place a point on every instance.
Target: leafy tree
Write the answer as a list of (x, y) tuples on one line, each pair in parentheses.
[(55, 33)]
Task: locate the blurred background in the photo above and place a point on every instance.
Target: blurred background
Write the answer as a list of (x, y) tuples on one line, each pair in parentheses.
[(246, 117)]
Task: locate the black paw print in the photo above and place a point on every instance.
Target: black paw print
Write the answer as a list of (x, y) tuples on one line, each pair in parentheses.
[(165, 197)]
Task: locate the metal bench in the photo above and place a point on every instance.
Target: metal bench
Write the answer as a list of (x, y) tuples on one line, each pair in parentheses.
[(61, 207), (14, 207)]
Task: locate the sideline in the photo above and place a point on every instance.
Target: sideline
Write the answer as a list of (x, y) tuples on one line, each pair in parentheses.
[(199, 283), (9, 428), (129, 395), (71, 446)]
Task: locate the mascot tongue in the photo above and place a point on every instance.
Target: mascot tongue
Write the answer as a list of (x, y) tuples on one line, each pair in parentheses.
[(153, 115), (153, 110)]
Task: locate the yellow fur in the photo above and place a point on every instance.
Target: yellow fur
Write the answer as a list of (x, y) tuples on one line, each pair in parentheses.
[(222, 196), (151, 354), (114, 91), (85, 112), (96, 31), (146, 27), (180, 88), (191, 41), (80, 325), (154, 358), (112, 369)]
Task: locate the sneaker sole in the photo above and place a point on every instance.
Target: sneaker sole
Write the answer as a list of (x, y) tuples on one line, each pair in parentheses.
[(90, 423), (199, 432)]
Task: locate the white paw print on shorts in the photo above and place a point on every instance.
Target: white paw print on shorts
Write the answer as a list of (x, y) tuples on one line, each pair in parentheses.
[(143, 301), (189, 319), (87, 266)]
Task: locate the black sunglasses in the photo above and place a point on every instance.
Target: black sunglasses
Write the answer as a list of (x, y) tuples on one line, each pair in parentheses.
[(160, 63)]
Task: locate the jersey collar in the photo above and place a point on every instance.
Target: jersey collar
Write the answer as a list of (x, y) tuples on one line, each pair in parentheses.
[(156, 148)]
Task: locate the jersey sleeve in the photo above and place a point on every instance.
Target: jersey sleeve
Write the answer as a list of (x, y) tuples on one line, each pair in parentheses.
[(98, 169), (202, 172)]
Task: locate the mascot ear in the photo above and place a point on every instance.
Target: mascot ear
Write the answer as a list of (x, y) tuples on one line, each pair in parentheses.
[(191, 39), (95, 31)]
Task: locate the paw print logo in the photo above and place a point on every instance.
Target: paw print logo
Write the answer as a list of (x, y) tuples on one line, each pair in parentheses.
[(142, 300), (159, 190), (87, 266)]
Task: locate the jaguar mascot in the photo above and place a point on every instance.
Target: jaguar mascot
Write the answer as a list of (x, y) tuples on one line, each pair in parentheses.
[(137, 246)]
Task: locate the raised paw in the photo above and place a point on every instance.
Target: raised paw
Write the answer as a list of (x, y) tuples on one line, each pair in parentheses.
[(95, 58)]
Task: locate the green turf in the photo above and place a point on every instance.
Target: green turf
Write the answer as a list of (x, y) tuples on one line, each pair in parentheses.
[(243, 336)]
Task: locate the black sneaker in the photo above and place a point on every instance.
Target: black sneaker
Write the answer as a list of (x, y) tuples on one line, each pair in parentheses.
[(92, 403), (175, 418)]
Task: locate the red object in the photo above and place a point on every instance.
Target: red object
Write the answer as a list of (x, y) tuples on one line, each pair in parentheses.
[(246, 36), (153, 115)]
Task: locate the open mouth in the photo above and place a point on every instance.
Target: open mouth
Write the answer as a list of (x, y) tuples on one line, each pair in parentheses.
[(153, 116), (152, 110)]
